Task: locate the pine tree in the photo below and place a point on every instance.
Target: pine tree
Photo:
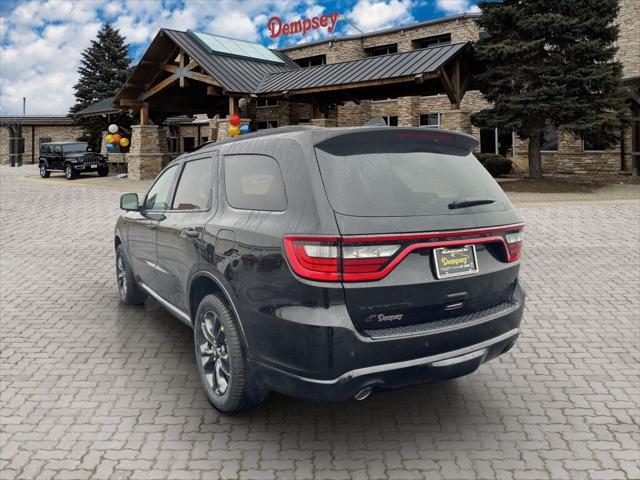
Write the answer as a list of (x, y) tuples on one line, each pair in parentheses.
[(550, 63), (103, 70)]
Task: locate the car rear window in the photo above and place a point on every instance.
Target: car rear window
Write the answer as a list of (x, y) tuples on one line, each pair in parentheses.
[(387, 176), (254, 182)]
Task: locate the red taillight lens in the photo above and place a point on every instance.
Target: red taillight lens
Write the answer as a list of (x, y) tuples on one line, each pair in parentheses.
[(370, 258), (513, 241)]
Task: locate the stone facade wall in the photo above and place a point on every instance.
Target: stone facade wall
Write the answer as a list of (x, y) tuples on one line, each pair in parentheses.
[(57, 133), (629, 38)]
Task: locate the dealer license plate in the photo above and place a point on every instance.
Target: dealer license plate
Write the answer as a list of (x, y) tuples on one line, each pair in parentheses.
[(455, 262)]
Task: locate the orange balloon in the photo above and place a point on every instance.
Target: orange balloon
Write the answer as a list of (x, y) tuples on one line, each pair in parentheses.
[(117, 137)]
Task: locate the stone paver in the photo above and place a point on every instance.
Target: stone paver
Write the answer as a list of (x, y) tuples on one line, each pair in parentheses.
[(91, 388)]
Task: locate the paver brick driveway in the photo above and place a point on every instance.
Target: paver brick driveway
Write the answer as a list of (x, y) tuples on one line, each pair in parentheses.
[(95, 389)]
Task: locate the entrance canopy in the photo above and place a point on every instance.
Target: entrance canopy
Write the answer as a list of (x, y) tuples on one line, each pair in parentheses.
[(191, 72)]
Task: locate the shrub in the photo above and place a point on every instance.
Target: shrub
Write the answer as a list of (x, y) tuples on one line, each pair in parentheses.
[(496, 165)]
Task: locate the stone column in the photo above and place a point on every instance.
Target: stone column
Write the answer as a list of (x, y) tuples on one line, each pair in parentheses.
[(407, 116), (103, 144), (455, 120), (148, 152)]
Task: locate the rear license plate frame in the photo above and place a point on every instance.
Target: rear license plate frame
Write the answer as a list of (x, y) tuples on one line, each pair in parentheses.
[(468, 252)]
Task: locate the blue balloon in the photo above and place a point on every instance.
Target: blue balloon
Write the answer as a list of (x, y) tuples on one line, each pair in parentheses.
[(111, 146), (244, 129)]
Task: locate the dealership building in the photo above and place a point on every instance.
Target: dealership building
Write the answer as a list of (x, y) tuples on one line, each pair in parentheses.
[(187, 84)]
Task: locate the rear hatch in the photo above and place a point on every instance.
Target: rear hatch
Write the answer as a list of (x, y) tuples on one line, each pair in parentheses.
[(426, 233)]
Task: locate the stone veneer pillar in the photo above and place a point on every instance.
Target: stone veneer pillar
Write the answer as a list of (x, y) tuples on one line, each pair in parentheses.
[(148, 152), (103, 143), (407, 116), (455, 120)]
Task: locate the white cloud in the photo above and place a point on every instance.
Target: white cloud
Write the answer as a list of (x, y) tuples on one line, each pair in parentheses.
[(452, 7), (369, 15)]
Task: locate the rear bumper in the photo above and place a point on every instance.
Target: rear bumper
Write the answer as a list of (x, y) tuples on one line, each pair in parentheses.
[(424, 357)]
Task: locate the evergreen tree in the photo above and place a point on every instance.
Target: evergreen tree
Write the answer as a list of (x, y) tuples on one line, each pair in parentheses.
[(103, 70), (551, 63)]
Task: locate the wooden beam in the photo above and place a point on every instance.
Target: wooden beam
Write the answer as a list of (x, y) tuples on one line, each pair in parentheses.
[(181, 60), (201, 77), (170, 68), (160, 86), (449, 88), (192, 64), (234, 108), (130, 102)]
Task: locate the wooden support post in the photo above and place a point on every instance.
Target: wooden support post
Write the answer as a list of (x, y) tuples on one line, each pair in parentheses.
[(181, 59), (144, 114), (234, 106)]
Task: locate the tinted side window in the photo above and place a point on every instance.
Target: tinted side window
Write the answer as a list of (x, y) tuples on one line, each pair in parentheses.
[(158, 196), (254, 182), (194, 187)]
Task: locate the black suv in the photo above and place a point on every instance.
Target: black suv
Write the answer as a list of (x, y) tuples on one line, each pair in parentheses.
[(325, 263), (72, 158)]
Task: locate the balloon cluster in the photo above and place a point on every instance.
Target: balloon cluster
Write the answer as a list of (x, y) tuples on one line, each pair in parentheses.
[(114, 138), (235, 128)]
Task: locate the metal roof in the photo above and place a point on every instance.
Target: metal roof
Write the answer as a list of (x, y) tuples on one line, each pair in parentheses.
[(395, 65), (236, 75), (98, 108), (51, 120)]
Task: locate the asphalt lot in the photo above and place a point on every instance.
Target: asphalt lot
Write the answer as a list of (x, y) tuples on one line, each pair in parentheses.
[(91, 388)]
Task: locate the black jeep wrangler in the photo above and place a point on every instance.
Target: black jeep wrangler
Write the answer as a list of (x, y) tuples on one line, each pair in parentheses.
[(72, 158)]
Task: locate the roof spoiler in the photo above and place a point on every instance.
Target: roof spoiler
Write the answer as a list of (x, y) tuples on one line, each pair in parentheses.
[(399, 140)]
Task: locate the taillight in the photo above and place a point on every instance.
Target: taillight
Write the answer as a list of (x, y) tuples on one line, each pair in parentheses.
[(514, 244), (370, 258)]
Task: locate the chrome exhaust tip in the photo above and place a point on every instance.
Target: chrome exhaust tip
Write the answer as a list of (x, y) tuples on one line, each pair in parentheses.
[(362, 394)]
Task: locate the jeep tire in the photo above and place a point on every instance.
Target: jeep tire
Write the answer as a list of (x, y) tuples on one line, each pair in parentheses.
[(222, 362), (69, 172), (103, 171), (44, 173)]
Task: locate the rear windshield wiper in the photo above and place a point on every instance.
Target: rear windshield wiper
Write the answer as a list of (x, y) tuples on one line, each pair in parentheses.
[(470, 202)]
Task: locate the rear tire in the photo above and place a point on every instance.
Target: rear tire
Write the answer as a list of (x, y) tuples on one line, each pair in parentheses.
[(103, 171), (70, 173), (44, 173), (221, 360), (130, 291)]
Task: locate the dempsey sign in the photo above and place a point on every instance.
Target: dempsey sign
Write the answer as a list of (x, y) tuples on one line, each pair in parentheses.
[(277, 28)]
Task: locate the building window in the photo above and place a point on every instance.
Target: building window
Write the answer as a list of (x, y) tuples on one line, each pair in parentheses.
[(312, 61), (550, 139), (173, 139), (188, 144), (382, 50), (267, 124), (431, 120), (591, 143), (266, 102), (433, 41), (391, 120)]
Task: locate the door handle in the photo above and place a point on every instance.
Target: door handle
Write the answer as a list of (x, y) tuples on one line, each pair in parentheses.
[(189, 233)]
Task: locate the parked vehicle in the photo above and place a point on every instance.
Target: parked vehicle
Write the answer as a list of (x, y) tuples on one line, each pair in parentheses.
[(72, 158), (326, 263)]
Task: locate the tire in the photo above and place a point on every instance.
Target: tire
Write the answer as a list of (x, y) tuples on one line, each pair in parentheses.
[(218, 347), (130, 291), (44, 173), (70, 173), (103, 171)]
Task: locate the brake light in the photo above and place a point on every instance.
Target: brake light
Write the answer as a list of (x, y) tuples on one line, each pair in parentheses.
[(369, 258)]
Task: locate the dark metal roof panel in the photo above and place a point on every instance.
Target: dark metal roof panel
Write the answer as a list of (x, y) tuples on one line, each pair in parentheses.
[(239, 75), (103, 106), (426, 60)]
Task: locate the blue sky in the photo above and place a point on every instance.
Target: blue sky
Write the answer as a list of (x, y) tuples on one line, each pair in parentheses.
[(41, 40)]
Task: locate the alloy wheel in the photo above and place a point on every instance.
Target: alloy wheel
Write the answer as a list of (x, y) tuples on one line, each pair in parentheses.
[(214, 356), (121, 275)]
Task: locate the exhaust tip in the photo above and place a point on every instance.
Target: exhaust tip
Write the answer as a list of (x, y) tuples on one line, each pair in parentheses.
[(362, 394)]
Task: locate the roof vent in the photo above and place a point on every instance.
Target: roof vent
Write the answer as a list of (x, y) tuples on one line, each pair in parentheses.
[(376, 122)]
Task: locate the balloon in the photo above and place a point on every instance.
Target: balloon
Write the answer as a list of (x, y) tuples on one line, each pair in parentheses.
[(109, 138), (111, 146), (234, 130), (124, 142), (116, 138), (113, 128), (234, 120), (244, 129)]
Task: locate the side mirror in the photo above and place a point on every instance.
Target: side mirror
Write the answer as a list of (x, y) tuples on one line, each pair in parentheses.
[(129, 202)]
